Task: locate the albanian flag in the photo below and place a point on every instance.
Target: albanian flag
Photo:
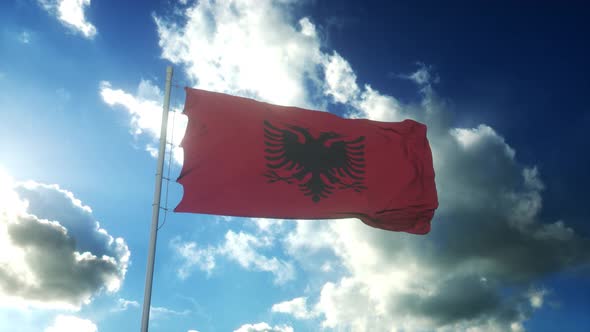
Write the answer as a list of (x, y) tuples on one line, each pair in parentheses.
[(252, 159)]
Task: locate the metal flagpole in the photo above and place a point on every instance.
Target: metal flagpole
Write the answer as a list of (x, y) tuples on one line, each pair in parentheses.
[(149, 274)]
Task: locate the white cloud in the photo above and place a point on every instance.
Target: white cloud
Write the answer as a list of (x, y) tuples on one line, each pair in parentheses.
[(517, 327), (536, 297), (242, 248), (52, 251), (269, 226), (157, 313), (145, 112), (296, 307), (66, 323), (192, 256), (423, 76), (123, 305), (306, 236), (71, 14), (474, 138), (374, 105), (192, 331), (327, 267), (246, 48), (264, 327), (145, 109), (340, 79), (240, 47)]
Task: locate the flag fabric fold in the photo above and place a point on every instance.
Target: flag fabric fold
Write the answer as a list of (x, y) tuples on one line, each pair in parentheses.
[(253, 159)]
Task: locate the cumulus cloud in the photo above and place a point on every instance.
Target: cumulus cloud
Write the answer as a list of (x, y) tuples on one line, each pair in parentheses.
[(487, 234), (246, 48), (239, 47), (296, 307), (71, 14), (488, 237), (53, 253), (145, 111), (340, 79), (66, 323), (268, 226), (264, 327), (193, 256), (242, 248)]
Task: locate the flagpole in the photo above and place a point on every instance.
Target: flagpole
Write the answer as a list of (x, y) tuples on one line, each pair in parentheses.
[(149, 274)]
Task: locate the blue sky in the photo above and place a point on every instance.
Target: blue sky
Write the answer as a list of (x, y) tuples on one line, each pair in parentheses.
[(501, 85)]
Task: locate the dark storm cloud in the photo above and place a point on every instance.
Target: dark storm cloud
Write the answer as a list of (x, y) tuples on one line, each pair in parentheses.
[(66, 256), (487, 250)]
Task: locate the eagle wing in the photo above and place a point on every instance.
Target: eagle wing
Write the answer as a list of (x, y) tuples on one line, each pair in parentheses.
[(283, 148), (347, 158)]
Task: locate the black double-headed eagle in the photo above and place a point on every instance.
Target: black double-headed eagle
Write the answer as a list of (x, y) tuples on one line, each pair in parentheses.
[(319, 165)]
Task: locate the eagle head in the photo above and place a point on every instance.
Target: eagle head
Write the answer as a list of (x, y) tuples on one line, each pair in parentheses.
[(324, 136)]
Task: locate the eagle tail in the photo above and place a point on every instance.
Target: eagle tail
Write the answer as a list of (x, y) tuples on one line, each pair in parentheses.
[(316, 188)]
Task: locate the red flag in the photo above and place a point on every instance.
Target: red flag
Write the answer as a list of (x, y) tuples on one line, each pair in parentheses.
[(252, 159)]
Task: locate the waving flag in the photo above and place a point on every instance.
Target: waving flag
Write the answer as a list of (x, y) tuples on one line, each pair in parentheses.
[(252, 159)]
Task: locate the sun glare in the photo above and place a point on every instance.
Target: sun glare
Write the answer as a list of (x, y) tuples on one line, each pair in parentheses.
[(10, 203)]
